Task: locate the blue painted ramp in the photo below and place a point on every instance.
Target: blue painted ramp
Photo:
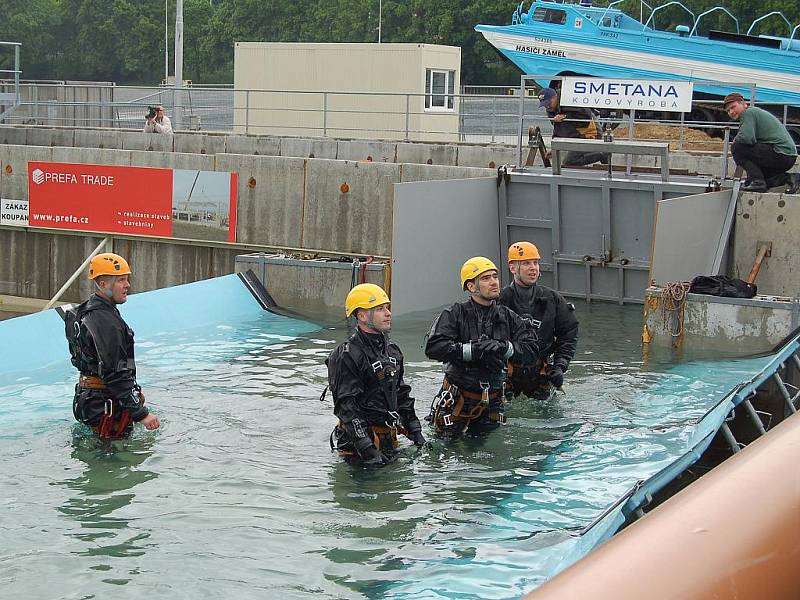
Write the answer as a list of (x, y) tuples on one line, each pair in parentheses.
[(37, 341)]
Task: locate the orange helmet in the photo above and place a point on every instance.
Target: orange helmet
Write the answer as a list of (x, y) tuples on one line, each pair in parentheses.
[(108, 263), (523, 251)]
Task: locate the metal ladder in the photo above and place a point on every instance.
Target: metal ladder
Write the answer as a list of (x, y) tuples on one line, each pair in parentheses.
[(790, 400)]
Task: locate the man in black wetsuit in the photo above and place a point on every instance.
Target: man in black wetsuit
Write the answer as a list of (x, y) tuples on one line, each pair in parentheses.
[(107, 397), (552, 318), (365, 376), (572, 122), (475, 339)]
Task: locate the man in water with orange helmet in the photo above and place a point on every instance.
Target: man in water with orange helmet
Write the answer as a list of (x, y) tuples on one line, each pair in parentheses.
[(107, 397), (549, 315)]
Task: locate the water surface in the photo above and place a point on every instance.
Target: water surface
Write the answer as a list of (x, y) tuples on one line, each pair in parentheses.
[(239, 496)]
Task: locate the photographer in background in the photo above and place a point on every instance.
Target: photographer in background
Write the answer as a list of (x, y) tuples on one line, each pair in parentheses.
[(156, 120)]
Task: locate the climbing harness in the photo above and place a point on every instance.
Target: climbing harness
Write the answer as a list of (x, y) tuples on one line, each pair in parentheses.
[(452, 406)]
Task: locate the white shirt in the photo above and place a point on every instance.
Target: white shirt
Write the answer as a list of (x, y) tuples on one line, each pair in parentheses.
[(155, 127)]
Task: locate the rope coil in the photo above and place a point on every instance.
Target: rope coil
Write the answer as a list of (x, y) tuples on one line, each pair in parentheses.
[(673, 306)]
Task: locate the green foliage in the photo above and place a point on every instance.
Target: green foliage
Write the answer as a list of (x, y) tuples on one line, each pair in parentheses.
[(123, 40)]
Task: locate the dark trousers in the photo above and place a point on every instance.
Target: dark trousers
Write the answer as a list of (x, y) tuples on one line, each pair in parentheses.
[(760, 161), (580, 159)]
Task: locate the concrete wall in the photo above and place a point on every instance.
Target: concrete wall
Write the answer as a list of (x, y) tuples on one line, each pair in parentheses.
[(465, 155), (383, 100), (35, 264), (314, 205), (308, 286), (729, 326), (769, 218)]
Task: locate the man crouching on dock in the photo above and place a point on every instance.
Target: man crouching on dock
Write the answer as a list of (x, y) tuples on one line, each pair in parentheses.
[(762, 147)]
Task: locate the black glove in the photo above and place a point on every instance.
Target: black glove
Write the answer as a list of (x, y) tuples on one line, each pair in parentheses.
[(555, 375), (368, 452), (483, 349), (417, 438)]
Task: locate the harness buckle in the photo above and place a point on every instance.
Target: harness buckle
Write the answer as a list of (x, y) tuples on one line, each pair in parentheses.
[(108, 408), (395, 419), (377, 366), (446, 398), (448, 420), (484, 391)]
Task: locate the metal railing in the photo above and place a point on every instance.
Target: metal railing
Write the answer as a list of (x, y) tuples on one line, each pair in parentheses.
[(480, 114), (9, 100)]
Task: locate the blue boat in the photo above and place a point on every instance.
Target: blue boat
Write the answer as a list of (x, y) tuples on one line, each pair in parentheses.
[(552, 39)]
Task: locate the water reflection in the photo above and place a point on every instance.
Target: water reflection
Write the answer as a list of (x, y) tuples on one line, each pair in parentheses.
[(102, 497)]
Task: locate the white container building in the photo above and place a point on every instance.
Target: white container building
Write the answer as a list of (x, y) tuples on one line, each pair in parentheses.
[(365, 91)]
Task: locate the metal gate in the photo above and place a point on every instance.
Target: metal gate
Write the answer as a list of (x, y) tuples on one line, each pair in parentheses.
[(595, 234)]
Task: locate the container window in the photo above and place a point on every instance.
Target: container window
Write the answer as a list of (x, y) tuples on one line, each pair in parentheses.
[(439, 89)]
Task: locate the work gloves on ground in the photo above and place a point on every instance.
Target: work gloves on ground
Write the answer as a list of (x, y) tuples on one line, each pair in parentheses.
[(555, 375)]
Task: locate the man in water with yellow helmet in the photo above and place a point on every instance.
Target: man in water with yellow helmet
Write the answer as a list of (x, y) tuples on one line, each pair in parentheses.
[(475, 339), (107, 397), (549, 314), (365, 375)]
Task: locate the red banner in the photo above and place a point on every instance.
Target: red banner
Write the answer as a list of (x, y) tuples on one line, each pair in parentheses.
[(104, 198)]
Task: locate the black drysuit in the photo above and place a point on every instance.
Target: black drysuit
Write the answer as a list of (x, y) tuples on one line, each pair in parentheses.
[(555, 324), (365, 375), (454, 338), (101, 344)]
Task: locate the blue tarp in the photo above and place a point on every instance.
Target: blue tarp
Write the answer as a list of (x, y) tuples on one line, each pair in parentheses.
[(35, 341), (701, 438)]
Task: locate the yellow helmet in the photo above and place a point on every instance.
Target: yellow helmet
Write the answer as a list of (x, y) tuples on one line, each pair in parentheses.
[(475, 267), (523, 251), (108, 263), (366, 296)]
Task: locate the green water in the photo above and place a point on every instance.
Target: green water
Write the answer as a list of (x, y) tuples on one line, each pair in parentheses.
[(239, 496)]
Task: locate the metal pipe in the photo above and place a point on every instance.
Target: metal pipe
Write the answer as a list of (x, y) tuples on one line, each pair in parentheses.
[(408, 108), (754, 416), (728, 435), (725, 149), (74, 276), (178, 108), (784, 392), (521, 114)]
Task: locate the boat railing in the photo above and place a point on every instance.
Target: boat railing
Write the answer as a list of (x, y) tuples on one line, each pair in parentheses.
[(668, 4), (642, 4), (708, 12), (774, 12)]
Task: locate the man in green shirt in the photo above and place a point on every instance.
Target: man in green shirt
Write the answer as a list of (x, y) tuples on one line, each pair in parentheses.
[(762, 147)]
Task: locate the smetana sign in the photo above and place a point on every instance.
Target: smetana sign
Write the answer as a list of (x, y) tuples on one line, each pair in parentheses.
[(627, 94)]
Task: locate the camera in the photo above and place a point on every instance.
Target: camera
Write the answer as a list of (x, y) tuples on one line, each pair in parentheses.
[(152, 111)]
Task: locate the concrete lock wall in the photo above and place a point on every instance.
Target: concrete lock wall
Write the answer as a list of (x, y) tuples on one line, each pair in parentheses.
[(308, 286), (448, 154), (768, 218), (316, 205)]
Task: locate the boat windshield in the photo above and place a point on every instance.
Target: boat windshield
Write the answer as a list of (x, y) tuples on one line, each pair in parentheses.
[(554, 16)]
